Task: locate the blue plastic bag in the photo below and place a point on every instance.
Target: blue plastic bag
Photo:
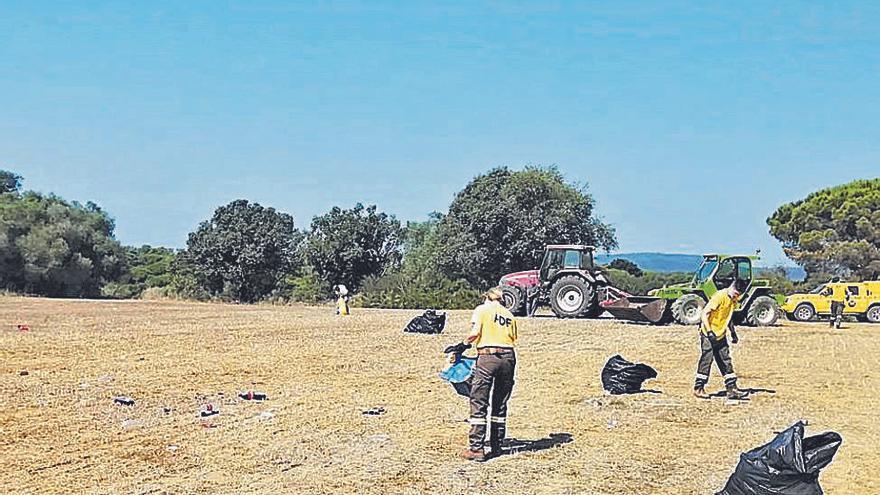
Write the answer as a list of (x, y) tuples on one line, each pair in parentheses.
[(459, 375)]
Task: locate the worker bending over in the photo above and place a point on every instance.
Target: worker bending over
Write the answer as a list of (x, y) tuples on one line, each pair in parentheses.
[(714, 325)]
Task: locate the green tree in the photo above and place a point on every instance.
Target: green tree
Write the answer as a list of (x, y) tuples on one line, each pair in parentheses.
[(501, 221), (639, 286), (9, 182), (419, 283), (627, 266), (146, 267), (833, 231), (243, 253), (56, 248), (346, 246), (421, 245)]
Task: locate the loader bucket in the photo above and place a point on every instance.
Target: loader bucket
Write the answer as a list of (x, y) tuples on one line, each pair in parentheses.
[(638, 308)]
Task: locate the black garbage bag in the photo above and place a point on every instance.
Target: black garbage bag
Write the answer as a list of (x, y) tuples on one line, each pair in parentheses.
[(429, 322), (620, 376), (788, 465)]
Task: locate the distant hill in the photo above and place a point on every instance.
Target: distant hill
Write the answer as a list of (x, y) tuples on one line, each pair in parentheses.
[(656, 262), (670, 262)]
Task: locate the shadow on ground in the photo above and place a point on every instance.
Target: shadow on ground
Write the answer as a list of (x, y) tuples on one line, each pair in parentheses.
[(515, 446), (749, 391)]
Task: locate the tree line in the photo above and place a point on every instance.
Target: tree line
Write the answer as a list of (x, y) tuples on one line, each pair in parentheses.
[(498, 223)]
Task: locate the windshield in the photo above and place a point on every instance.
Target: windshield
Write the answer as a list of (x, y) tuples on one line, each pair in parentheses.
[(818, 289), (706, 269)]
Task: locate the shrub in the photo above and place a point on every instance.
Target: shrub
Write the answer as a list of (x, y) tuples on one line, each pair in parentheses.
[(305, 288), (398, 291), (639, 286)]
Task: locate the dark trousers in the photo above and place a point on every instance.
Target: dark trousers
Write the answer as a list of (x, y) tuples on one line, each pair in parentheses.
[(719, 351), (491, 382), (836, 313)]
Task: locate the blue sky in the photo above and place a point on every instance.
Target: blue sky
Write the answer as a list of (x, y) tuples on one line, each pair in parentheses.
[(691, 122)]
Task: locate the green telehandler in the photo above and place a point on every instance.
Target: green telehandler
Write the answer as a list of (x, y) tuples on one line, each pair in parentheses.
[(683, 303)]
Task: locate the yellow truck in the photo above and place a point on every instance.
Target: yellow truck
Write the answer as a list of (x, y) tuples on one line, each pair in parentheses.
[(863, 301)]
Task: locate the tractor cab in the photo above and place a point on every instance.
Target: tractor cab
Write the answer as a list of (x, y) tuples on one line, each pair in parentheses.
[(719, 272), (559, 258)]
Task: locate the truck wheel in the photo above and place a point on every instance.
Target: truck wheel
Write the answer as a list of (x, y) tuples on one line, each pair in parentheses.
[(686, 309), (571, 297), (513, 298), (873, 314), (763, 312), (804, 312)]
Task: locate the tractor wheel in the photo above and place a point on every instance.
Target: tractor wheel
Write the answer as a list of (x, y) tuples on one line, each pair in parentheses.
[(804, 312), (873, 314), (687, 308), (571, 297), (513, 298), (763, 312)]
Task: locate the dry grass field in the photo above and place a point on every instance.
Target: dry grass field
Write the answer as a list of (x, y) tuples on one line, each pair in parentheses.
[(62, 433)]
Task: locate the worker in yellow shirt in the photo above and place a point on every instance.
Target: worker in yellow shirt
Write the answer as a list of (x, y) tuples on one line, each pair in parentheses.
[(493, 333), (714, 324), (341, 300)]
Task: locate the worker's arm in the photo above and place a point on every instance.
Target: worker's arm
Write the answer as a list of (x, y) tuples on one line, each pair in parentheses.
[(474, 334), (733, 337), (455, 351), (704, 318)]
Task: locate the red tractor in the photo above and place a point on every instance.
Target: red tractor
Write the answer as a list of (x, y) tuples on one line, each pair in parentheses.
[(567, 280)]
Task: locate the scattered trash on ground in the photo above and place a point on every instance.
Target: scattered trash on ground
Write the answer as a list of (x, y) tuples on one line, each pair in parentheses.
[(23, 327), (23, 373), (612, 424), (620, 376), (208, 410), (265, 415), (172, 448), (123, 400), (373, 411), (132, 423), (788, 465), (251, 395), (166, 410), (430, 322)]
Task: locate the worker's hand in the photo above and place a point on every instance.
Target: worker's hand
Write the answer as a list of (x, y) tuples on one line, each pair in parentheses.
[(452, 357), (733, 337)]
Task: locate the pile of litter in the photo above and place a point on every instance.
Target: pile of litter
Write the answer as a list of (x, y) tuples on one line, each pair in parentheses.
[(620, 376), (788, 465), (430, 322)]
